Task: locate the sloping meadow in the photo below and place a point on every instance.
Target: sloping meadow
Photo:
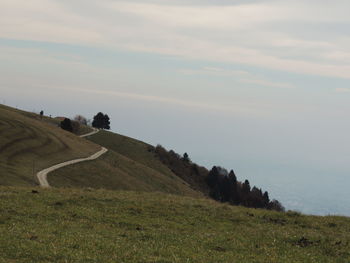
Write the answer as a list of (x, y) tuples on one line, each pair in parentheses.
[(60, 225), (29, 143)]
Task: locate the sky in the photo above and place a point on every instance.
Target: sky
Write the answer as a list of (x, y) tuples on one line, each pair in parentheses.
[(261, 87)]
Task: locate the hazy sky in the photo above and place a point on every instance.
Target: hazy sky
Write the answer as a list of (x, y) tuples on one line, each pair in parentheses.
[(262, 87)]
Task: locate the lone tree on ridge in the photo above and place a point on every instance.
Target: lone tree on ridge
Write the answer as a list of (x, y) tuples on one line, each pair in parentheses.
[(101, 121)]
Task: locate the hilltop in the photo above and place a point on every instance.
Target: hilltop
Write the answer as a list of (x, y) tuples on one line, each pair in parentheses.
[(31, 143)]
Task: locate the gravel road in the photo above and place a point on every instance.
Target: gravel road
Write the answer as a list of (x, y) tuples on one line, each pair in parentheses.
[(42, 175)]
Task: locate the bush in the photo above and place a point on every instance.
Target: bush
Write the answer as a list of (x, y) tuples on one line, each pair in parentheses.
[(276, 205), (75, 126), (66, 124)]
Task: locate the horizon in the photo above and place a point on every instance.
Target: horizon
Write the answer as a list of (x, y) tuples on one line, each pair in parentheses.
[(260, 87)]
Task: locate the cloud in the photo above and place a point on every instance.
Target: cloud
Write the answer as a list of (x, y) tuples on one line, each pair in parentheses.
[(254, 33), (266, 83), (40, 56), (239, 75), (234, 16), (236, 108), (44, 20), (342, 90), (214, 71)]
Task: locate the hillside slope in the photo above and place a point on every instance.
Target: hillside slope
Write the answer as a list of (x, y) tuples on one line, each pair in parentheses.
[(133, 149), (61, 225), (128, 165), (29, 144)]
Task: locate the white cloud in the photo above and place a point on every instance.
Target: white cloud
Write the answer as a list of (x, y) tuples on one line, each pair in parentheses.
[(239, 75), (239, 33), (235, 16)]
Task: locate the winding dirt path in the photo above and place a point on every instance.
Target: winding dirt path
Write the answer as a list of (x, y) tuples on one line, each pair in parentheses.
[(90, 133), (42, 175)]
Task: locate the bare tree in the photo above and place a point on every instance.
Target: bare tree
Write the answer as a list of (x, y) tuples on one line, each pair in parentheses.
[(81, 119)]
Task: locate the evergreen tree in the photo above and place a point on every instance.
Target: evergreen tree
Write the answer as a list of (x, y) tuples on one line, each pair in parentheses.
[(225, 188), (98, 121), (245, 193), (255, 199), (107, 122), (234, 197), (266, 199), (213, 181), (246, 187), (213, 177)]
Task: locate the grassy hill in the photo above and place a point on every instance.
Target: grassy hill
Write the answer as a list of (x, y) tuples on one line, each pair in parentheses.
[(61, 225), (29, 144), (77, 222), (131, 148), (129, 165)]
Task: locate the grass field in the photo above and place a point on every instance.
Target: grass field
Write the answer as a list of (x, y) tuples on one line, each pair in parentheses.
[(29, 144), (61, 225), (129, 165)]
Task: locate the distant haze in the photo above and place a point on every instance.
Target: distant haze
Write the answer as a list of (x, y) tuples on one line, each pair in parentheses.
[(261, 87)]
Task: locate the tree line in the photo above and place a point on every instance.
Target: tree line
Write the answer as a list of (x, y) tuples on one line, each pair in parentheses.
[(225, 187), (218, 183)]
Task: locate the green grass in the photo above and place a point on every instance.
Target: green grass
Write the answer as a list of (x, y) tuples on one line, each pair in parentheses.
[(131, 148), (60, 225), (29, 144), (116, 172), (83, 129), (31, 115), (128, 165)]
